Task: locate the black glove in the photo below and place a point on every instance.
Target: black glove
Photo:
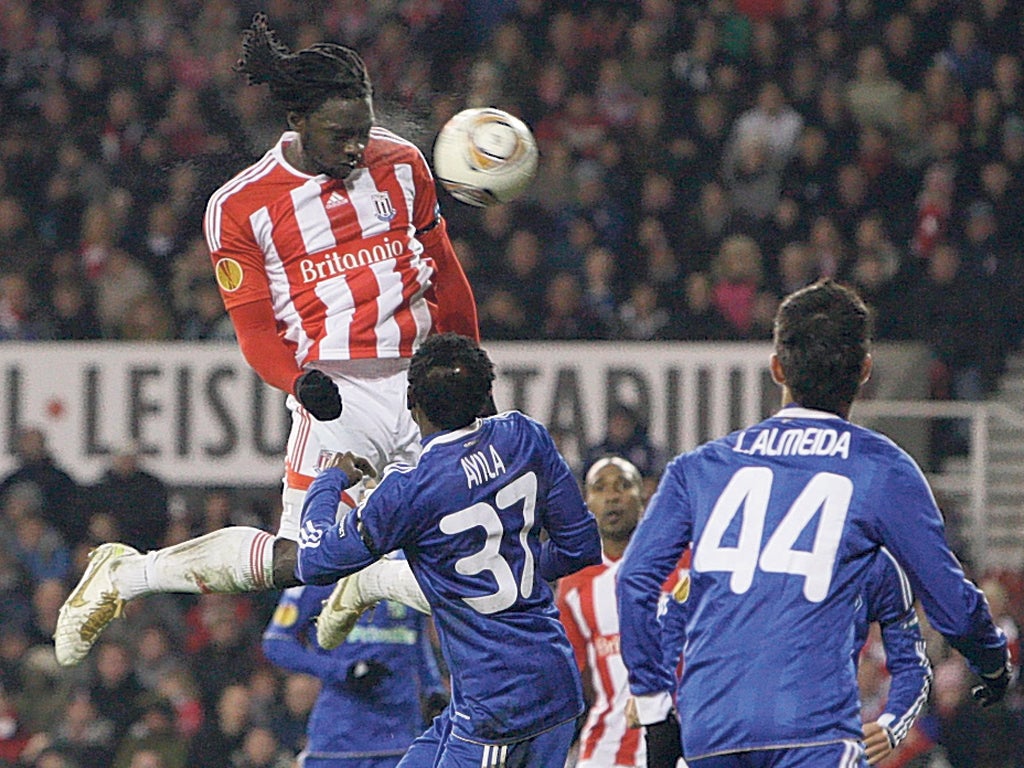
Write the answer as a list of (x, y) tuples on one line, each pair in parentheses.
[(993, 687), (364, 676), (664, 745), (318, 395)]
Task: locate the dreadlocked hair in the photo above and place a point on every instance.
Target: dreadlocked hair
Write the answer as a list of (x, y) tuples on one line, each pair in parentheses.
[(301, 81), (822, 337), (450, 379)]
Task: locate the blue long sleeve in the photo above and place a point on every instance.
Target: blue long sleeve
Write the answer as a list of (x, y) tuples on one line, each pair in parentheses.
[(955, 607), (673, 632), (430, 675), (573, 539), (890, 602), (288, 640), (652, 553), (329, 548), (576, 546)]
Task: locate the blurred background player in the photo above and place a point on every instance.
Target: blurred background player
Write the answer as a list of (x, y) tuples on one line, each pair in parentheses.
[(470, 517), (783, 518), (375, 689), (613, 490), (334, 263)]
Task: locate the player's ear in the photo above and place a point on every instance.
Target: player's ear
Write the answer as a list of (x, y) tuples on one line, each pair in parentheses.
[(410, 401), (778, 375), (865, 369), (296, 121)]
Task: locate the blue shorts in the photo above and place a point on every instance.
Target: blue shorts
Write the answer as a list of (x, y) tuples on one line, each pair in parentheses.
[(439, 748), (840, 754)]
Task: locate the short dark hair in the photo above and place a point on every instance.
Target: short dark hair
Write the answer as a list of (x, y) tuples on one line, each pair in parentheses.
[(822, 337), (301, 81), (450, 379)]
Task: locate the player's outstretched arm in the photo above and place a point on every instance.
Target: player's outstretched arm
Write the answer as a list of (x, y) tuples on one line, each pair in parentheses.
[(456, 305), (955, 606), (329, 547)]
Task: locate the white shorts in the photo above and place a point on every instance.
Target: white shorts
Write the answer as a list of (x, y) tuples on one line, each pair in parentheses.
[(375, 423)]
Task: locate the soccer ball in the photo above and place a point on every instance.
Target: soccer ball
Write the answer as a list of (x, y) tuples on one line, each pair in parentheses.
[(485, 156)]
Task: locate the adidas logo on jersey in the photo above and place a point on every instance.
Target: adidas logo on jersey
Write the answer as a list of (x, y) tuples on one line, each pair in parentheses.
[(336, 199)]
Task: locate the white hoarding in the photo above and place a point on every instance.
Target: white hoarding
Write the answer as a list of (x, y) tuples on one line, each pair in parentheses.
[(200, 415)]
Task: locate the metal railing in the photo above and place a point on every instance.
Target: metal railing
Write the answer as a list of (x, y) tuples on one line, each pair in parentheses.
[(976, 485)]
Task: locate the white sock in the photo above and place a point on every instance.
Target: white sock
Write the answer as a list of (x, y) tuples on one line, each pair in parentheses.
[(231, 560), (392, 580)]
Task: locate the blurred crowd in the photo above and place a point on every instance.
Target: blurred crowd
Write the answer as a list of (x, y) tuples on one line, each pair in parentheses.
[(184, 683), (698, 161)]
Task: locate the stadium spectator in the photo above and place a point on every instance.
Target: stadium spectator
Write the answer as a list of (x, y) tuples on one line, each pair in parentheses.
[(60, 492), (81, 733), (299, 693), (115, 690), (966, 57), (154, 732), (614, 492), (34, 543), (223, 730), (20, 318), (873, 96), (626, 436), (15, 736), (566, 314), (46, 597), (738, 288), (155, 656), (808, 175), (73, 312), (641, 316), (135, 498), (525, 277), (770, 122), (957, 722)]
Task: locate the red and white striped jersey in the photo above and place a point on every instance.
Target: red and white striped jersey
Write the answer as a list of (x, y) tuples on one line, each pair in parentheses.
[(338, 260), (587, 607)]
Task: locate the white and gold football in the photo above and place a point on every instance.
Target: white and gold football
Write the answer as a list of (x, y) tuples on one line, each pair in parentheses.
[(485, 156)]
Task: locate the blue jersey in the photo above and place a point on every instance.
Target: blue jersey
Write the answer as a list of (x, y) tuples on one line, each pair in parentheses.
[(785, 518), (350, 720), (469, 517), (886, 598)]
